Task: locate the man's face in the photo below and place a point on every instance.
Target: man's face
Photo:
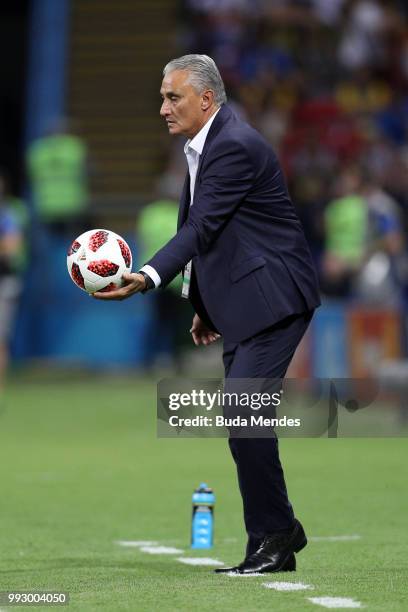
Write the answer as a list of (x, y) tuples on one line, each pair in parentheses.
[(183, 108)]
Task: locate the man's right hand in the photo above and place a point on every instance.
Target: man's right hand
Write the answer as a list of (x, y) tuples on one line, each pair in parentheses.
[(201, 333), (133, 283)]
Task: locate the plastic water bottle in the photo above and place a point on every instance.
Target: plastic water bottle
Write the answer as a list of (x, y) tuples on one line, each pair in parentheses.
[(202, 531)]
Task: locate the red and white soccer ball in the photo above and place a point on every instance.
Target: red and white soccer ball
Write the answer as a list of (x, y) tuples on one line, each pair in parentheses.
[(97, 259)]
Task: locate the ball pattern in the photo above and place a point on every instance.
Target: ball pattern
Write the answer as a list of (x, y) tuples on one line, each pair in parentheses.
[(125, 252), (74, 247), (77, 276), (103, 267), (97, 240)]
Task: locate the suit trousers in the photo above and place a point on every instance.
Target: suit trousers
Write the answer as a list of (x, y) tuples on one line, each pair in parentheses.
[(261, 480)]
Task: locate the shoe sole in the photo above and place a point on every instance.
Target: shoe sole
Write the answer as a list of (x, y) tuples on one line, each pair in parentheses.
[(274, 571), (233, 570)]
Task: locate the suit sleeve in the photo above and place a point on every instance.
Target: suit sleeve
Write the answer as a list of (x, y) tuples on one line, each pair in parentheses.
[(224, 182)]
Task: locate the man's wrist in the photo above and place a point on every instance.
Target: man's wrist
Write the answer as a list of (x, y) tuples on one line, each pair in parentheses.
[(152, 273), (149, 284)]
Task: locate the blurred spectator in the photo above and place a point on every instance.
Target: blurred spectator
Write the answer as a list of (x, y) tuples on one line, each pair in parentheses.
[(387, 164), (57, 168), (383, 273), (12, 255), (170, 315), (17, 209), (345, 224), (364, 242), (207, 6), (363, 40), (328, 12), (361, 93)]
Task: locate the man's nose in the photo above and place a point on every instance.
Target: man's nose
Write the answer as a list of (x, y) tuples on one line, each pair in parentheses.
[(164, 110)]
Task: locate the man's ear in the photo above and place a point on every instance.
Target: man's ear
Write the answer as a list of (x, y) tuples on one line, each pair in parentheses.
[(207, 99)]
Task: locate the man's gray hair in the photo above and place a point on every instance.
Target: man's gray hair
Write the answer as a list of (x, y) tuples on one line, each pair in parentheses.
[(204, 74)]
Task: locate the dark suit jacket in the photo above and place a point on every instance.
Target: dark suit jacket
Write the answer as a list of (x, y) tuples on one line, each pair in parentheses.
[(251, 263)]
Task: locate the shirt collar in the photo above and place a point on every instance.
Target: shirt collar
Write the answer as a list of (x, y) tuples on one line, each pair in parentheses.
[(197, 143)]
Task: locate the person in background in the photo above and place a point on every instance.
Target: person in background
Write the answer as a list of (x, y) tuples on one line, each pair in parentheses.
[(364, 242), (12, 256), (168, 322), (383, 274), (345, 226), (57, 170)]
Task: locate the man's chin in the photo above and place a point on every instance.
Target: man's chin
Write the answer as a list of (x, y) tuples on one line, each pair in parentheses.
[(173, 128)]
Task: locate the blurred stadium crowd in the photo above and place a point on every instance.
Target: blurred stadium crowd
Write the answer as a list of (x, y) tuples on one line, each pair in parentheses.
[(326, 83)]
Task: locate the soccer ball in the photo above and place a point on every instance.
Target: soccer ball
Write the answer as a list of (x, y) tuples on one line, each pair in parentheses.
[(97, 259)]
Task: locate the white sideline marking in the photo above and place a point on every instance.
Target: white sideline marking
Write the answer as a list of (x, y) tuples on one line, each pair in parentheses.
[(336, 602), (229, 540), (135, 543), (340, 538), (287, 586), (161, 550), (199, 561)]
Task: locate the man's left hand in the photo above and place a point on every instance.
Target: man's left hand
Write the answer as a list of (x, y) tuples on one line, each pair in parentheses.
[(133, 283), (201, 333)]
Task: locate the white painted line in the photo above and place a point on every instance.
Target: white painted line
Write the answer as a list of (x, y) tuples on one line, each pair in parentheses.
[(199, 561), (230, 540), (340, 538), (135, 543), (336, 602), (234, 575), (287, 586), (161, 550)]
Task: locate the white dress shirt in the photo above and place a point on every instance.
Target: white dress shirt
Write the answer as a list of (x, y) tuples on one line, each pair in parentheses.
[(192, 149)]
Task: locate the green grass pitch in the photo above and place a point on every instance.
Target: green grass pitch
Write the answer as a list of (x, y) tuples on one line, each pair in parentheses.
[(81, 467)]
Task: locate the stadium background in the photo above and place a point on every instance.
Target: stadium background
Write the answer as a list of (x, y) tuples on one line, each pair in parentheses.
[(326, 82), (288, 68)]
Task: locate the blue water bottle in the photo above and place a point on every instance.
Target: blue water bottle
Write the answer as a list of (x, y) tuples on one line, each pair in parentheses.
[(202, 530)]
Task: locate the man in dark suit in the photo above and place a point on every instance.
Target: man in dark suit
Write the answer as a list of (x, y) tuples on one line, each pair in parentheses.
[(248, 273)]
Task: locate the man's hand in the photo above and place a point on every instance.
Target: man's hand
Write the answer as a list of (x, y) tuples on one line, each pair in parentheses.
[(134, 283), (201, 333)]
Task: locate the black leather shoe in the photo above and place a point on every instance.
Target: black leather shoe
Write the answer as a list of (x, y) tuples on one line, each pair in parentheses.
[(289, 566), (226, 570), (275, 553)]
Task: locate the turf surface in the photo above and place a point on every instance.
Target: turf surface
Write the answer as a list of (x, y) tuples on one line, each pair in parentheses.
[(81, 468)]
